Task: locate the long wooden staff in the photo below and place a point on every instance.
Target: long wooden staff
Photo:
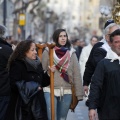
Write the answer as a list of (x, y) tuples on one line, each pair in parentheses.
[(51, 46), (40, 49)]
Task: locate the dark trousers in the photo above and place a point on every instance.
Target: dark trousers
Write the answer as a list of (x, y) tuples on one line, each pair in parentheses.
[(4, 100)]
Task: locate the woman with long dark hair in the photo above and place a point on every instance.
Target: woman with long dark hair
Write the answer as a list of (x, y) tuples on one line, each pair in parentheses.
[(67, 72), (27, 79)]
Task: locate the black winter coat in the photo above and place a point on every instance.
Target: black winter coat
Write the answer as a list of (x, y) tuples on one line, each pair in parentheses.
[(78, 51), (21, 70), (105, 90), (96, 55), (5, 52)]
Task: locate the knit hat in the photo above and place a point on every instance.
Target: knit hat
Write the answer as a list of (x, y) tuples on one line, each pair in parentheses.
[(3, 32), (108, 23)]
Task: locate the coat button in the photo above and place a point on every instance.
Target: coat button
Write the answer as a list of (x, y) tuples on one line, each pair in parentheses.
[(38, 76), (33, 77)]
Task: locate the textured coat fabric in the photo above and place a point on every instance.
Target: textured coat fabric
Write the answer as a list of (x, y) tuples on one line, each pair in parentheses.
[(84, 57), (21, 70), (95, 56), (105, 90), (73, 72), (5, 52)]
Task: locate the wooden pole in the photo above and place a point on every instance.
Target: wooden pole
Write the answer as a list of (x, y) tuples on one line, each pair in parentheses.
[(40, 49), (51, 46)]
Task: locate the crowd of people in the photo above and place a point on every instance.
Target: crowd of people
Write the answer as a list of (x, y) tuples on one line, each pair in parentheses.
[(93, 70)]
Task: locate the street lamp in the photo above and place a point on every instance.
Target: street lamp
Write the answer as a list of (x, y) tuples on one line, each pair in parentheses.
[(22, 19), (4, 11), (108, 12), (105, 11), (47, 15)]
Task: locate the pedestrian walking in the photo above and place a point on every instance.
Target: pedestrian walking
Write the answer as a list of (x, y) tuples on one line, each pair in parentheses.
[(104, 91), (85, 54), (67, 71), (98, 52), (77, 47), (5, 52), (27, 79)]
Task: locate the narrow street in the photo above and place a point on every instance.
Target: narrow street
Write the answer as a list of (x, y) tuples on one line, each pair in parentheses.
[(81, 112)]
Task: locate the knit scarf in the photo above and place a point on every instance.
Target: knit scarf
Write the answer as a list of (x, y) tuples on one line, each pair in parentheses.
[(61, 61), (34, 63)]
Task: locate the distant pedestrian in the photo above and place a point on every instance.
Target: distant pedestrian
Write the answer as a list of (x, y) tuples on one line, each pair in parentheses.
[(85, 54), (5, 52), (77, 47)]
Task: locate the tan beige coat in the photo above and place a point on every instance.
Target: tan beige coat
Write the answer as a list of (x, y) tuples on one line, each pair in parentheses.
[(73, 72)]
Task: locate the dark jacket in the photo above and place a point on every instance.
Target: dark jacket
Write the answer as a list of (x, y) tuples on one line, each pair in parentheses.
[(96, 55), (5, 52), (105, 90), (78, 51), (21, 70)]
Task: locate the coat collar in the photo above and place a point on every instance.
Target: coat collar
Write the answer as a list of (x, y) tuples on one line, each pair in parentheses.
[(4, 42), (113, 56), (31, 68), (105, 46)]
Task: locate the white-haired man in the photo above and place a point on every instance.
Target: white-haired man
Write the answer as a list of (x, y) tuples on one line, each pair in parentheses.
[(104, 91), (98, 52)]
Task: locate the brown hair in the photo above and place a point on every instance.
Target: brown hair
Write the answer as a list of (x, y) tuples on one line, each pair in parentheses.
[(56, 36), (20, 51)]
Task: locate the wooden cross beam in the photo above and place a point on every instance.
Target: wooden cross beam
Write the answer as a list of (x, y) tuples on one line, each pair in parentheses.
[(40, 49)]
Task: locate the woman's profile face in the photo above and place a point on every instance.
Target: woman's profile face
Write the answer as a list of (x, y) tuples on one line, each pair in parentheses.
[(32, 53), (62, 39)]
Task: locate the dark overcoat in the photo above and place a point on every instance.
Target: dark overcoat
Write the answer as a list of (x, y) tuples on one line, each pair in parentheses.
[(105, 90), (96, 55), (5, 52), (21, 70)]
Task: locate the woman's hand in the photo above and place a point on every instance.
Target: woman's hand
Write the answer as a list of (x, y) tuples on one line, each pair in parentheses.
[(52, 68)]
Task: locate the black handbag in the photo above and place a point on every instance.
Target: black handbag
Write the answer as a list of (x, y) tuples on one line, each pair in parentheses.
[(27, 89)]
